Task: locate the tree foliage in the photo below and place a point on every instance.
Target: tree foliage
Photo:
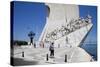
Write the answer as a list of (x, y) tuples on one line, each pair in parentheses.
[(17, 42)]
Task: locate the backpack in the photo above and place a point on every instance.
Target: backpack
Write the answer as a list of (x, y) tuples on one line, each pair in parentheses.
[(51, 48)]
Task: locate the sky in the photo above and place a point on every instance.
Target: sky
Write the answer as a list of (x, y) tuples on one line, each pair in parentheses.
[(31, 16), (91, 10), (28, 17)]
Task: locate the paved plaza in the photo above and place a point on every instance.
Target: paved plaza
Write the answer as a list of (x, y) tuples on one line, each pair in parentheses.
[(34, 56)]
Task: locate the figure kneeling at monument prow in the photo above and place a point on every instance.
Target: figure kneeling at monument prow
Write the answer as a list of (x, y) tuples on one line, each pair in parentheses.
[(51, 49)]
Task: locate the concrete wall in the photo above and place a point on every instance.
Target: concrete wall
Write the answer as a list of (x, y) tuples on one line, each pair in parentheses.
[(59, 14)]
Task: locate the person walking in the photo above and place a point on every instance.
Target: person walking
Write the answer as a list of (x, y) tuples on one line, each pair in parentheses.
[(51, 48)]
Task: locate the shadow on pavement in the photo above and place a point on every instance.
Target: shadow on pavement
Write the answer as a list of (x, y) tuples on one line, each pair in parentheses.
[(21, 62)]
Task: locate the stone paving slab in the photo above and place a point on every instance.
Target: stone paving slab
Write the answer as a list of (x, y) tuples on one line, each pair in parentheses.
[(74, 54)]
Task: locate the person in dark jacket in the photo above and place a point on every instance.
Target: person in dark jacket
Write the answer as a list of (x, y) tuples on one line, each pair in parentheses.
[(51, 48)]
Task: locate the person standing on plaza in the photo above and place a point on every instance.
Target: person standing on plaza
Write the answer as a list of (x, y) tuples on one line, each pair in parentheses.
[(51, 49)]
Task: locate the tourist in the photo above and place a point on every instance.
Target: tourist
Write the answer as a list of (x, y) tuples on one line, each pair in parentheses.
[(51, 48)]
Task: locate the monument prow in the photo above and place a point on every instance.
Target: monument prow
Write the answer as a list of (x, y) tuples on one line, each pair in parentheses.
[(64, 27)]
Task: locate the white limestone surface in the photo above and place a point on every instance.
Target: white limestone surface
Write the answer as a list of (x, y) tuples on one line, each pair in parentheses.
[(74, 54)]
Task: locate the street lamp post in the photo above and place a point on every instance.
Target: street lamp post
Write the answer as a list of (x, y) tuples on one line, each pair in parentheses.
[(31, 36)]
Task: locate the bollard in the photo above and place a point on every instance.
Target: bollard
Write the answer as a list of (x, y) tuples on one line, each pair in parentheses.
[(22, 54), (65, 58), (47, 57)]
